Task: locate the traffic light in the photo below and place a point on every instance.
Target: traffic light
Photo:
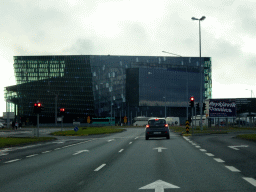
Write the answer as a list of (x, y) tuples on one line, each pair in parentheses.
[(197, 107), (38, 107), (191, 102), (204, 105), (62, 111)]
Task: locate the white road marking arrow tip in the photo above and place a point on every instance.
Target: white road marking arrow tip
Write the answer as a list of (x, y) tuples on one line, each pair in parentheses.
[(159, 186), (235, 147), (160, 149)]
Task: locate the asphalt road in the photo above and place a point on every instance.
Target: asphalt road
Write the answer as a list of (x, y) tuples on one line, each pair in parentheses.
[(123, 162)]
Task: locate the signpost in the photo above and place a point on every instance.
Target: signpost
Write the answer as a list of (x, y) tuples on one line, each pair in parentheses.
[(88, 119), (125, 119), (187, 127), (76, 129)]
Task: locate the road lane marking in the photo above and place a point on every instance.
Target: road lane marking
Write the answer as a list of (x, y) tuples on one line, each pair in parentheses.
[(231, 168), (100, 167), (81, 151), (12, 161), (159, 149), (32, 155), (159, 186), (202, 150), (197, 146), (209, 154), (235, 147), (130, 143), (120, 150), (46, 151), (57, 148), (136, 137), (250, 180), (219, 160)]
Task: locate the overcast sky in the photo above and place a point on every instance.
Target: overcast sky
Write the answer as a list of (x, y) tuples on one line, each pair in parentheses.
[(135, 27)]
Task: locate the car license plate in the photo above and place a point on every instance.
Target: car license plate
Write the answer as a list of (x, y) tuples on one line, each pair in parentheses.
[(157, 132)]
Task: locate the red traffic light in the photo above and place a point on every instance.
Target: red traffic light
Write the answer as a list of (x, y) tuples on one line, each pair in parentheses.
[(62, 109), (35, 104), (192, 98), (39, 104)]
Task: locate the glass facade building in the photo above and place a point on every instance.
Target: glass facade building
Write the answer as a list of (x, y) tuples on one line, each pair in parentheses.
[(107, 85)]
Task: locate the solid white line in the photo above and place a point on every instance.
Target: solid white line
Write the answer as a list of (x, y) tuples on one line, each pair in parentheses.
[(209, 154), (32, 155), (250, 180), (130, 143), (57, 148), (231, 168), (197, 146), (12, 161), (219, 160), (202, 150), (46, 151), (4, 154), (120, 150), (100, 167)]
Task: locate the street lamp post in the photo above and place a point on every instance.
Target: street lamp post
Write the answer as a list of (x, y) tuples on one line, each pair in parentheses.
[(249, 90), (165, 107), (201, 86)]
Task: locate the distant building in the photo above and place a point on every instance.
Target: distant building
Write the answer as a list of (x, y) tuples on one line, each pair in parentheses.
[(106, 85)]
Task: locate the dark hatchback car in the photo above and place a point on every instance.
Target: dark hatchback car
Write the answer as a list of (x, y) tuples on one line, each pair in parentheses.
[(157, 127)]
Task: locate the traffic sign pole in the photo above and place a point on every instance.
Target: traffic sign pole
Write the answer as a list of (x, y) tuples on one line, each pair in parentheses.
[(187, 127)]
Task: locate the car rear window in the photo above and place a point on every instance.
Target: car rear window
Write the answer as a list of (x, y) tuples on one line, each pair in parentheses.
[(156, 122)]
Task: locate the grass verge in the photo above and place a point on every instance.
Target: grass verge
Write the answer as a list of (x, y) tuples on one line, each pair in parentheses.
[(251, 137), (88, 131), (15, 141)]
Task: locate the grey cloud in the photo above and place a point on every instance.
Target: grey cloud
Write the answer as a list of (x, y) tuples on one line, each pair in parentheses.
[(80, 47), (246, 19)]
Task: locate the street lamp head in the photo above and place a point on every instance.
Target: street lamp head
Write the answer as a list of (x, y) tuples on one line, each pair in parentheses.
[(193, 18), (202, 18)]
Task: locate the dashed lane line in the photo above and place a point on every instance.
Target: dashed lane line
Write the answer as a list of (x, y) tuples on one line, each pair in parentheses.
[(100, 167), (12, 161), (250, 180), (46, 151), (219, 160), (233, 169), (209, 154), (203, 150), (130, 143), (120, 150), (32, 155)]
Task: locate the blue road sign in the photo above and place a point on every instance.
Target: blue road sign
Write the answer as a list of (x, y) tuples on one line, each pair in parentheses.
[(76, 129)]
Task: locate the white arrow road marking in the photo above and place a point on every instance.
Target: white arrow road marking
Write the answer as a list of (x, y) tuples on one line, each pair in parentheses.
[(160, 149), (81, 151), (235, 147), (159, 186)]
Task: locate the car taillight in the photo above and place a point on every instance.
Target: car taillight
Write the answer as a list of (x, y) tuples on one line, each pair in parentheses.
[(147, 126), (166, 125)]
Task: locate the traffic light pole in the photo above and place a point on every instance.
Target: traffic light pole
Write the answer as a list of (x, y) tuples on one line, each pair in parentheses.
[(61, 123), (37, 131)]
